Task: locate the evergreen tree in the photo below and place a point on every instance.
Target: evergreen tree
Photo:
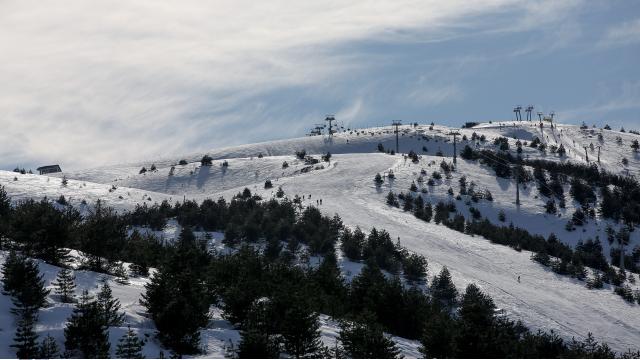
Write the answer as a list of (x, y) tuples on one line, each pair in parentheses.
[(391, 199), (414, 267), (256, 345), (130, 346), (12, 270), (206, 160), (86, 332), (378, 179), (176, 296), (65, 285), (365, 339), (5, 214), (49, 348), (259, 339), (103, 238), (635, 145), (408, 203), (42, 231), (25, 340), (561, 150), (329, 287), (352, 243), (179, 308), (23, 281), (476, 320), (300, 329), (443, 289), (438, 337), (109, 306), (467, 153), (413, 187), (428, 212)]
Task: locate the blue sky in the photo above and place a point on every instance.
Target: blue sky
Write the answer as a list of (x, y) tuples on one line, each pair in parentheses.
[(85, 84)]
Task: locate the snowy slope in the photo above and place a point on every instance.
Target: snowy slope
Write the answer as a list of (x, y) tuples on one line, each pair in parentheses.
[(542, 300), (215, 339), (410, 138), (28, 186)]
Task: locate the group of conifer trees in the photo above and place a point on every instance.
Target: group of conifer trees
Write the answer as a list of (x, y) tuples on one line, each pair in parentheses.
[(620, 204), (86, 330), (268, 292)]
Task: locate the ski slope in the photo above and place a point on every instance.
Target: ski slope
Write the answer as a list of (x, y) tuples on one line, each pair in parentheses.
[(542, 300)]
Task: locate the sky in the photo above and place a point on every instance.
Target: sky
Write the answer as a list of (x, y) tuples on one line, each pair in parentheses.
[(91, 83)]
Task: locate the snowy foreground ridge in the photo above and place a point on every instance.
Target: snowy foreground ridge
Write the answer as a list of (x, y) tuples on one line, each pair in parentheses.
[(542, 299)]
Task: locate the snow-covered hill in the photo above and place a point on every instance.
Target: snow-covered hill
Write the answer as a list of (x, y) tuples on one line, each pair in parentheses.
[(543, 300), (216, 339)]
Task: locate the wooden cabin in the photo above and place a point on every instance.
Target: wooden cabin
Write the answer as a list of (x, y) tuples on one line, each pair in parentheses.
[(48, 169)]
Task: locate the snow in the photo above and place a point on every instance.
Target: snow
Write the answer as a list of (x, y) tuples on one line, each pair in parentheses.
[(215, 339), (542, 300)]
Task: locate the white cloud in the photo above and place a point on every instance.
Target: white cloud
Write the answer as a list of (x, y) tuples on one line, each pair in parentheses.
[(622, 34), (429, 95), (627, 97), (91, 82)]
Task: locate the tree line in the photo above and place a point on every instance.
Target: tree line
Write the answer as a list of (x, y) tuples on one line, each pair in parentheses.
[(269, 292)]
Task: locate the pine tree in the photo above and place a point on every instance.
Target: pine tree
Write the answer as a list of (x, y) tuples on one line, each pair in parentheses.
[(635, 145), (176, 297), (206, 160), (120, 272), (259, 339), (365, 339), (25, 340), (257, 345), (391, 199), (23, 281), (104, 235), (413, 187), (5, 213), (42, 231), (65, 285), (428, 212), (329, 286), (443, 289), (476, 321), (12, 273), (352, 243), (48, 348), (561, 150), (109, 306), (378, 179), (86, 332), (130, 346), (438, 337), (414, 267), (300, 329)]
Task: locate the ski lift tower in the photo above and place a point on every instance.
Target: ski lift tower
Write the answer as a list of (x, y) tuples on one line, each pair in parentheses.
[(551, 116), (454, 134), (529, 110), (330, 119), (396, 123), (540, 116), (517, 110)]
